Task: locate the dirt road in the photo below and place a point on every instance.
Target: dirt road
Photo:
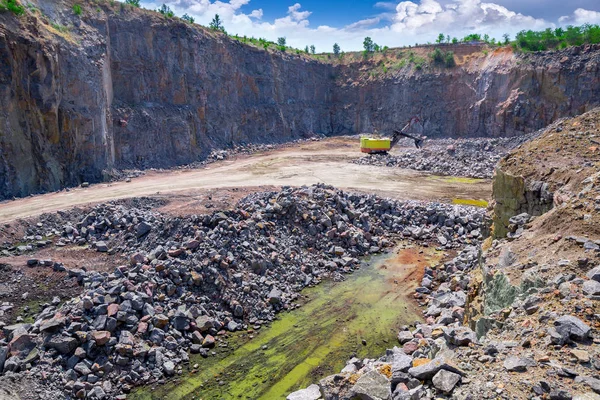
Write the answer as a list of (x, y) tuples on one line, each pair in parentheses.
[(326, 161)]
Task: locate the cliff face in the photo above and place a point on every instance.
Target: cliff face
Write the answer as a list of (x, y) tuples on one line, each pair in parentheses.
[(487, 95), (129, 88)]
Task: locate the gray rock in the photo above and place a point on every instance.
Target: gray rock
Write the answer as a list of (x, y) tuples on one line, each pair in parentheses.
[(401, 361), (517, 364), (591, 288), (63, 344), (572, 326), (405, 336), (310, 393), (275, 296), (461, 336), (101, 247), (142, 229), (427, 371), (594, 274), (82, 369), (96, 393), (169, 368), (3, 355), (593, 383), (372, 386), (445, 380)]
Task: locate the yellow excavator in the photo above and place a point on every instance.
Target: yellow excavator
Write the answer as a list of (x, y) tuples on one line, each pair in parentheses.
[(373, 145)]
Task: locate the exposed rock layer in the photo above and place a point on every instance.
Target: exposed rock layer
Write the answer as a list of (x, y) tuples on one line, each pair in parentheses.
[(127, 87)]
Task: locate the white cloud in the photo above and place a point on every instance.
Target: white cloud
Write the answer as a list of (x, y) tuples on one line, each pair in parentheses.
[(580, 16), (399, 23)]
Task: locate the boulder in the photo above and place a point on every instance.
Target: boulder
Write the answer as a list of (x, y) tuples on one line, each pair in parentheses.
[(572, 326), (594, 274), (445, 380), (428, 370), (142, 229), (310, 393), (517, 364), (372, 386), (63, 344), (21, 344), (101, 337)]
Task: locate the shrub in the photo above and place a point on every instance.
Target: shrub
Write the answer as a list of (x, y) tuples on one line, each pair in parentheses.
[(312, 48), (166, 11), (437, 56), (13, 6), (368, 45), (336, 49), (281, 41), (135, 3), (77, 9), (217, 24), (187, 18), (449, 60)]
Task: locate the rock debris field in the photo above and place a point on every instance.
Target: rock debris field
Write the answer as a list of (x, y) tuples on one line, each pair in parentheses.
[(474, 158), (191, 278)]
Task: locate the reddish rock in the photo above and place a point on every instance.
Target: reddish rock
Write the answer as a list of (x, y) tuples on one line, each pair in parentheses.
[(112, 309), (410, 347), (21, 345), (208, 341), (101, 337), (142, 328)]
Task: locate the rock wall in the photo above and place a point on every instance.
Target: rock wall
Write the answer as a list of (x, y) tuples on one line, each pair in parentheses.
[(514, 195), (498, 94), (125, 87), (129, 88)]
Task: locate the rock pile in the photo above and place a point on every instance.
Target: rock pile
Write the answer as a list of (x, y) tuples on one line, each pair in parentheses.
[(474, 158), (189, 280)]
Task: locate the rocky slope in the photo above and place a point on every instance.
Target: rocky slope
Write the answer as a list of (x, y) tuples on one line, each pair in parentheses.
[(518, 318), (119, 87)]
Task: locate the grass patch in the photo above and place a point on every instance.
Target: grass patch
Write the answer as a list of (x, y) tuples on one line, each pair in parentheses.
[(456, 179), (12, 6), (471, 202)]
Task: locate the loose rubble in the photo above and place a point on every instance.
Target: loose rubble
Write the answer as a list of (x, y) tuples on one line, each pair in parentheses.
[(474, 158), (190, 280)]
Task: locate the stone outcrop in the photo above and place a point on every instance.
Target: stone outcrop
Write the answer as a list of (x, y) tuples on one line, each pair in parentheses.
[(128, 88)]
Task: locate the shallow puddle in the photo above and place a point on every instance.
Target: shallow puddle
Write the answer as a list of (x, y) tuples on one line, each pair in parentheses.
[(309, 343)]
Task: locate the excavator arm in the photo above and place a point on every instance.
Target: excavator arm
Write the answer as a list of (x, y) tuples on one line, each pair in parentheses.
[(401, 133)]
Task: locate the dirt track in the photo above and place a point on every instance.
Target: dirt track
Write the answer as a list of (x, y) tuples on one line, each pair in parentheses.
[(325, 161)]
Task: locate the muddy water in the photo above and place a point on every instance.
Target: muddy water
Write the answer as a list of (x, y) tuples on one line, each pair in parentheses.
[(315, 340)]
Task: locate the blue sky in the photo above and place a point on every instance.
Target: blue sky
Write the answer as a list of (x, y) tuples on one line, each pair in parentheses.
[(391, 23)]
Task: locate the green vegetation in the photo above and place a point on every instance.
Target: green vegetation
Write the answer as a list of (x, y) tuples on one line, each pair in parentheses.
[(310, 342), (166, 11), (188, 18), (471, 202), (440, 57), (281, 42), (77, 9), (12, 6), (312, 48), (336, 49), (59, 27), (217, 24), (557, 38), (135, 3)]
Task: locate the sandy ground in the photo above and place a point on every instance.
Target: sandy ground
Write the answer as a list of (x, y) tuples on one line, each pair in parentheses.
[(325, 161)]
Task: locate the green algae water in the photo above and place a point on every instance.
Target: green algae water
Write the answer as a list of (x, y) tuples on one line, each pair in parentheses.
[(313, 341)]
